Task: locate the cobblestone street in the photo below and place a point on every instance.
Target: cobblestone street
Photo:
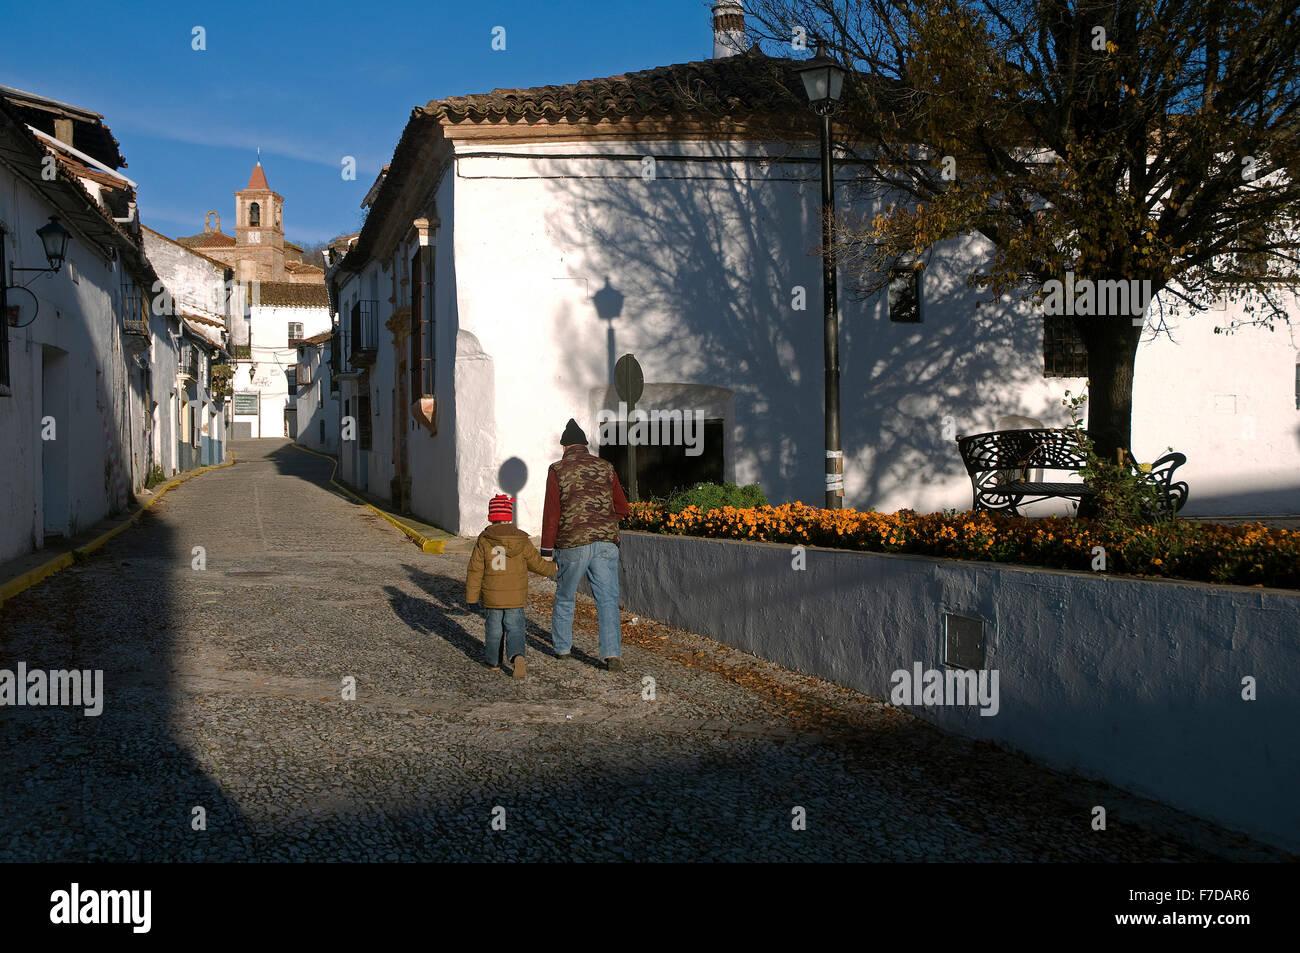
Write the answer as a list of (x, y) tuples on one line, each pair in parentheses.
[(222, 691)]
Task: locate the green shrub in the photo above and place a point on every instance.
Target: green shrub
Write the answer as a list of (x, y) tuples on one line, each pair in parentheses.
[(714, 496), (155, 477)]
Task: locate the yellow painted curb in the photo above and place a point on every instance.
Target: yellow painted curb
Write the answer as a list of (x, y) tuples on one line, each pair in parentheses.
[(426, 545), (42, 572)]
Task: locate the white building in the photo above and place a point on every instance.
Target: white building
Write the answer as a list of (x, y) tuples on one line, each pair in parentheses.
[(201, 292), (280, 315), (317, 405), (84, 372), (505, 265)]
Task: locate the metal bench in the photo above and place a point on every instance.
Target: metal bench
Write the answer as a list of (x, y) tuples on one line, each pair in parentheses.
[(999, 464)]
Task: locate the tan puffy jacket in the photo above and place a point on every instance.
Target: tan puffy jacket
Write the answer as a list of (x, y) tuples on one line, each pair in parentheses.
[(498, 567)]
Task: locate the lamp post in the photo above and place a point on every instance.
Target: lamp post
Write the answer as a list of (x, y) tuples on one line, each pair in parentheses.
[(823, 81), (54, 241)]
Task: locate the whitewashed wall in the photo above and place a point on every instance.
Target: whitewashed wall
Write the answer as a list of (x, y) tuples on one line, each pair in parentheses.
[(1229, 403), (317, 403), (700, 265), (697, 268), (705, 257), (77, 328), (272, 357)]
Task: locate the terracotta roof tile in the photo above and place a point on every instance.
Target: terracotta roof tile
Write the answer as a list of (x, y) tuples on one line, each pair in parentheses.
[(207, 240), (202, 319), (258, 179), (292, 294), (750, 82)]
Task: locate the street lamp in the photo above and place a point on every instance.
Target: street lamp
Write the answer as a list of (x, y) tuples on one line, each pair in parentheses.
[(823, 81), (54, 239)]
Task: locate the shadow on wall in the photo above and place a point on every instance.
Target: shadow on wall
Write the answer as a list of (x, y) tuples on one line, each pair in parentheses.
[(707, 271)]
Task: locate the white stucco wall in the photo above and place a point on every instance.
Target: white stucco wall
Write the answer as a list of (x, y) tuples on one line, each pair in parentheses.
[(272, 358), (61, 484), (696, 270), (1228, 401), (701, 264), (317, 404), (1138, 682)]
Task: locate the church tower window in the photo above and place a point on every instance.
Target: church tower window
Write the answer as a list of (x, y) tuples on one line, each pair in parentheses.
[(254, 215)]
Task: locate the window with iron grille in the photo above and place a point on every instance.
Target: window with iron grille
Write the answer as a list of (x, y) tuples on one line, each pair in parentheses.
[(1064, 353), (422, 328), (295, 333), (363, 420)]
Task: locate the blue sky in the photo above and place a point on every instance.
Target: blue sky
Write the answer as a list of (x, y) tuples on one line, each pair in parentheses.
[(309, 82)]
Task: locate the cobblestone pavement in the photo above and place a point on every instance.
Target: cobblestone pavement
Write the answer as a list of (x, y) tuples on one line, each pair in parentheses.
[(223, 692)]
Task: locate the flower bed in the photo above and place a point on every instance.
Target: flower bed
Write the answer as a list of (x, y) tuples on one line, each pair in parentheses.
[(1251, 555)]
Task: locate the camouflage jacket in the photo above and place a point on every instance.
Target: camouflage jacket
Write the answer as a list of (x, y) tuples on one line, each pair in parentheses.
[(584, 502)]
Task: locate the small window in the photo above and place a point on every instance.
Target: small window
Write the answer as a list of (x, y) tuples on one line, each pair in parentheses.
[(1064, 353), (905, 295), (363, 420), (295, 333), (254, 215)]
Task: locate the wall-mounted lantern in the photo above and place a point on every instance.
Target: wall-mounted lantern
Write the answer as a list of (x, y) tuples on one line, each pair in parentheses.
[(54, 238)]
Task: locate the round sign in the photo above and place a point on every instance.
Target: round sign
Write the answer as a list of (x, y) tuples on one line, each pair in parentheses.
[(628, 380)]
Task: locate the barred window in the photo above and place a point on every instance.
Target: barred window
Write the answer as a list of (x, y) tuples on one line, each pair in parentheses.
[(363, 419), (1064, 353), (422, 357)]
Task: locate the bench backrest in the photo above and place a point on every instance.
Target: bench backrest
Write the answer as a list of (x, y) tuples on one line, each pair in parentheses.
[(1018, 450)]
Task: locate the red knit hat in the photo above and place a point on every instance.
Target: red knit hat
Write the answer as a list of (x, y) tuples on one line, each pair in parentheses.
[(501, 508)]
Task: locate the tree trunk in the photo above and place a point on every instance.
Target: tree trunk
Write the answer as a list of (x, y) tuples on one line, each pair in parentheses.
[(1112, 347)]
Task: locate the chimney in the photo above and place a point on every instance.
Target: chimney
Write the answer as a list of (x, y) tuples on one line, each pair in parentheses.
[(728, 28), (63, 130)]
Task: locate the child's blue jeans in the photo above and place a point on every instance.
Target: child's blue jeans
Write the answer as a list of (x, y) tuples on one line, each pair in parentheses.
[(514, 626)]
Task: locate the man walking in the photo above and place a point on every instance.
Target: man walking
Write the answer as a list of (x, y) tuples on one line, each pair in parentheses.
[(584, 503)]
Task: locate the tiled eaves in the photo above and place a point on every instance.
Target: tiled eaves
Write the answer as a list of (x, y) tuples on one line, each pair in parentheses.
[(24, 154)]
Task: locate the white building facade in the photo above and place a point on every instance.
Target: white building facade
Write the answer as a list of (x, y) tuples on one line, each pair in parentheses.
[(317, 404), (505, 266), (279, 316), (86, 365)]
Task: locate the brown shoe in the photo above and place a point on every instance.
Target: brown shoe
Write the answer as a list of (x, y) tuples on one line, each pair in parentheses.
[(521, 667), (614, 664)]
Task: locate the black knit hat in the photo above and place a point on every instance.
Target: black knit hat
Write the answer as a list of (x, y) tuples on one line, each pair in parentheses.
[(572, 434)]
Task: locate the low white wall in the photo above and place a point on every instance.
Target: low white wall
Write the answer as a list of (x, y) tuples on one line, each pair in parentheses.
[(1136, 682)]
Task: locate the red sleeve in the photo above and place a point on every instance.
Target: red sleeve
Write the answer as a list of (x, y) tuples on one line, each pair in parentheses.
[(620, 501), (550, 513)]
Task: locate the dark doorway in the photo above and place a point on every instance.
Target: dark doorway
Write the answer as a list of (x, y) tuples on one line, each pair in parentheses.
[(660, 470)]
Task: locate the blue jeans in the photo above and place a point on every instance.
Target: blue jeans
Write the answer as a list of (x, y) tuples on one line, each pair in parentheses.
[(514, 625), (599, 563)]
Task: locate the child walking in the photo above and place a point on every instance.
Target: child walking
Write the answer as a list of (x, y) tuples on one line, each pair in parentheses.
[(498, 570)]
